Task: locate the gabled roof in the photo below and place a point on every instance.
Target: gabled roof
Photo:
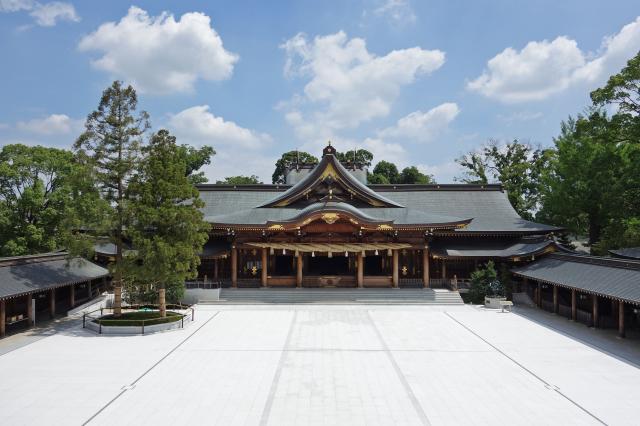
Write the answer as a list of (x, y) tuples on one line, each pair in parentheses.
[(21, 276), (329, 171), (487, 205), (613, 278)]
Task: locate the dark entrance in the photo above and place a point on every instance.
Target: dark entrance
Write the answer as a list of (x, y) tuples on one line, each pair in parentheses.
[(323, 265)]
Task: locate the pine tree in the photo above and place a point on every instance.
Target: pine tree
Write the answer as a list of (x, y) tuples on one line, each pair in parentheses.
[(110, 147)]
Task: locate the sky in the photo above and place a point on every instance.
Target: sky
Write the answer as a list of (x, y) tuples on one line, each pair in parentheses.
[(415, 82)]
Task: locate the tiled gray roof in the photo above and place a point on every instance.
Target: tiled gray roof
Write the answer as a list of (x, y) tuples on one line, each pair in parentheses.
[(489, 208), (613, 278), (627, 253), (18, 279), (498, 249)]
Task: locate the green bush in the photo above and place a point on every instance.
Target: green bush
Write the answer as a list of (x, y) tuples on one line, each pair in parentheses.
[(484, 282)]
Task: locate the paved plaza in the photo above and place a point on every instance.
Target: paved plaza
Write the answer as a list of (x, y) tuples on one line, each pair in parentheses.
[(329, 365)]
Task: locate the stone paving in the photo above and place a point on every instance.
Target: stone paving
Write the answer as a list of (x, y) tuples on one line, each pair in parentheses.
[(322, 365)]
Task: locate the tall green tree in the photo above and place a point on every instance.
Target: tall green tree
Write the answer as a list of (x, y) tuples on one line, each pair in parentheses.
[(288, 158), (411, 175), (110, 147), (582, 185), (384, 172), (196, 159), (358, 156), (35, 194), (518, 166), (169, 230), (240, 180)]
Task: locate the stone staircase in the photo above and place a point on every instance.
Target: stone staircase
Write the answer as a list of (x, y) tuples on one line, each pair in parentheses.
[(338, 296)]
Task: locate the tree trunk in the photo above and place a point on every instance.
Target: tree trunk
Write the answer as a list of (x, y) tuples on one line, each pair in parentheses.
[(162, 302), (594, 230)]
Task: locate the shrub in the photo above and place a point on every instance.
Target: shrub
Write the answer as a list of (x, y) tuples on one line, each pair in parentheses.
[(484, 282)]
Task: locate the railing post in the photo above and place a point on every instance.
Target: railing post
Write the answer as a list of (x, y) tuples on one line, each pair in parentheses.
[(182, 322), (143, 327), (83, 320), (100, 324)]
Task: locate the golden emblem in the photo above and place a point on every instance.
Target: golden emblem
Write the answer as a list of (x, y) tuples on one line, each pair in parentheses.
[(404, 270), (330, 218), (385, 227), (254, 270)]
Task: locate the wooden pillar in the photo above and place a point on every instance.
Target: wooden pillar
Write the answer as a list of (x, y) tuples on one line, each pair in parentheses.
[(539, 294), (444, 269), (574, 305), (30, 313), (89, 290), (265, 267), (425, 267), (360, 272), (299, 270), (394, 274), (3, 317), (104, 284), (52, 302), (72, 295), (621, 332), (595, 314), (215, 269), (234, 267), (555, 299)]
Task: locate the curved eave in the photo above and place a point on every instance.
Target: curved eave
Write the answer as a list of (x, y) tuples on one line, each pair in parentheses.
[(550, 247), (329, 166)]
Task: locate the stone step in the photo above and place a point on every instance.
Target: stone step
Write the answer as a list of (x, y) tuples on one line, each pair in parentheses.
[(337, 295)]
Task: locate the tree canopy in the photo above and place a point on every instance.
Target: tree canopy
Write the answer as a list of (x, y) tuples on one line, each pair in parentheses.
[(35, 194), (357, 156), (518, 166), (240, 180), (290, 157)]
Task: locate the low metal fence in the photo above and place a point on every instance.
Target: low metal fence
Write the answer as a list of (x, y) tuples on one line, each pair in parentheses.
[(187, 313)]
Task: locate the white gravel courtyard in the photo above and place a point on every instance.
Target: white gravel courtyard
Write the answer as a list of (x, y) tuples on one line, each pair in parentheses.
[(321, 365)]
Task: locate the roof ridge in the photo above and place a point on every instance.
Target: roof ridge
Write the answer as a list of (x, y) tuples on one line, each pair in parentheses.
[(598, 260)]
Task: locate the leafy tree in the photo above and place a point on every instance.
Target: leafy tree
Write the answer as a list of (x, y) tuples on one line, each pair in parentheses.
[(623, 91), (387, 171), (377, 179), (291, 157), (35, 193), (484, 282), (110, 148), (169, 230), (582, 186), (518, 166), (240, 180), (196, 159), (358, 156), (413, 175)]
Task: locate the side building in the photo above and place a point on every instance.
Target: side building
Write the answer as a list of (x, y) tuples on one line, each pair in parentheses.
[(328, 228)]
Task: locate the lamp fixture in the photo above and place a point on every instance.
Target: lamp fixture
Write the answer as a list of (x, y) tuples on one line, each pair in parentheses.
[(329, 255), (376, 253), (271, 251), (389, 252), (346, 254), (313, 254), (284, 251)]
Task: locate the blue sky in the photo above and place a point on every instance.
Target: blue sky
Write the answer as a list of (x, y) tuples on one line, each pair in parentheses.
[(416, 82)]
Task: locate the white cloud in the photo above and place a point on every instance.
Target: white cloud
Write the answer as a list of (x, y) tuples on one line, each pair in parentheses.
[(48, 14), (198, 126), (44, 14), (15, 5), (443, 173), (347, 84), (399, 11), (520, 116), (422, 126), (159, 54), (55, 124), (544, 68), (239, 151)]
